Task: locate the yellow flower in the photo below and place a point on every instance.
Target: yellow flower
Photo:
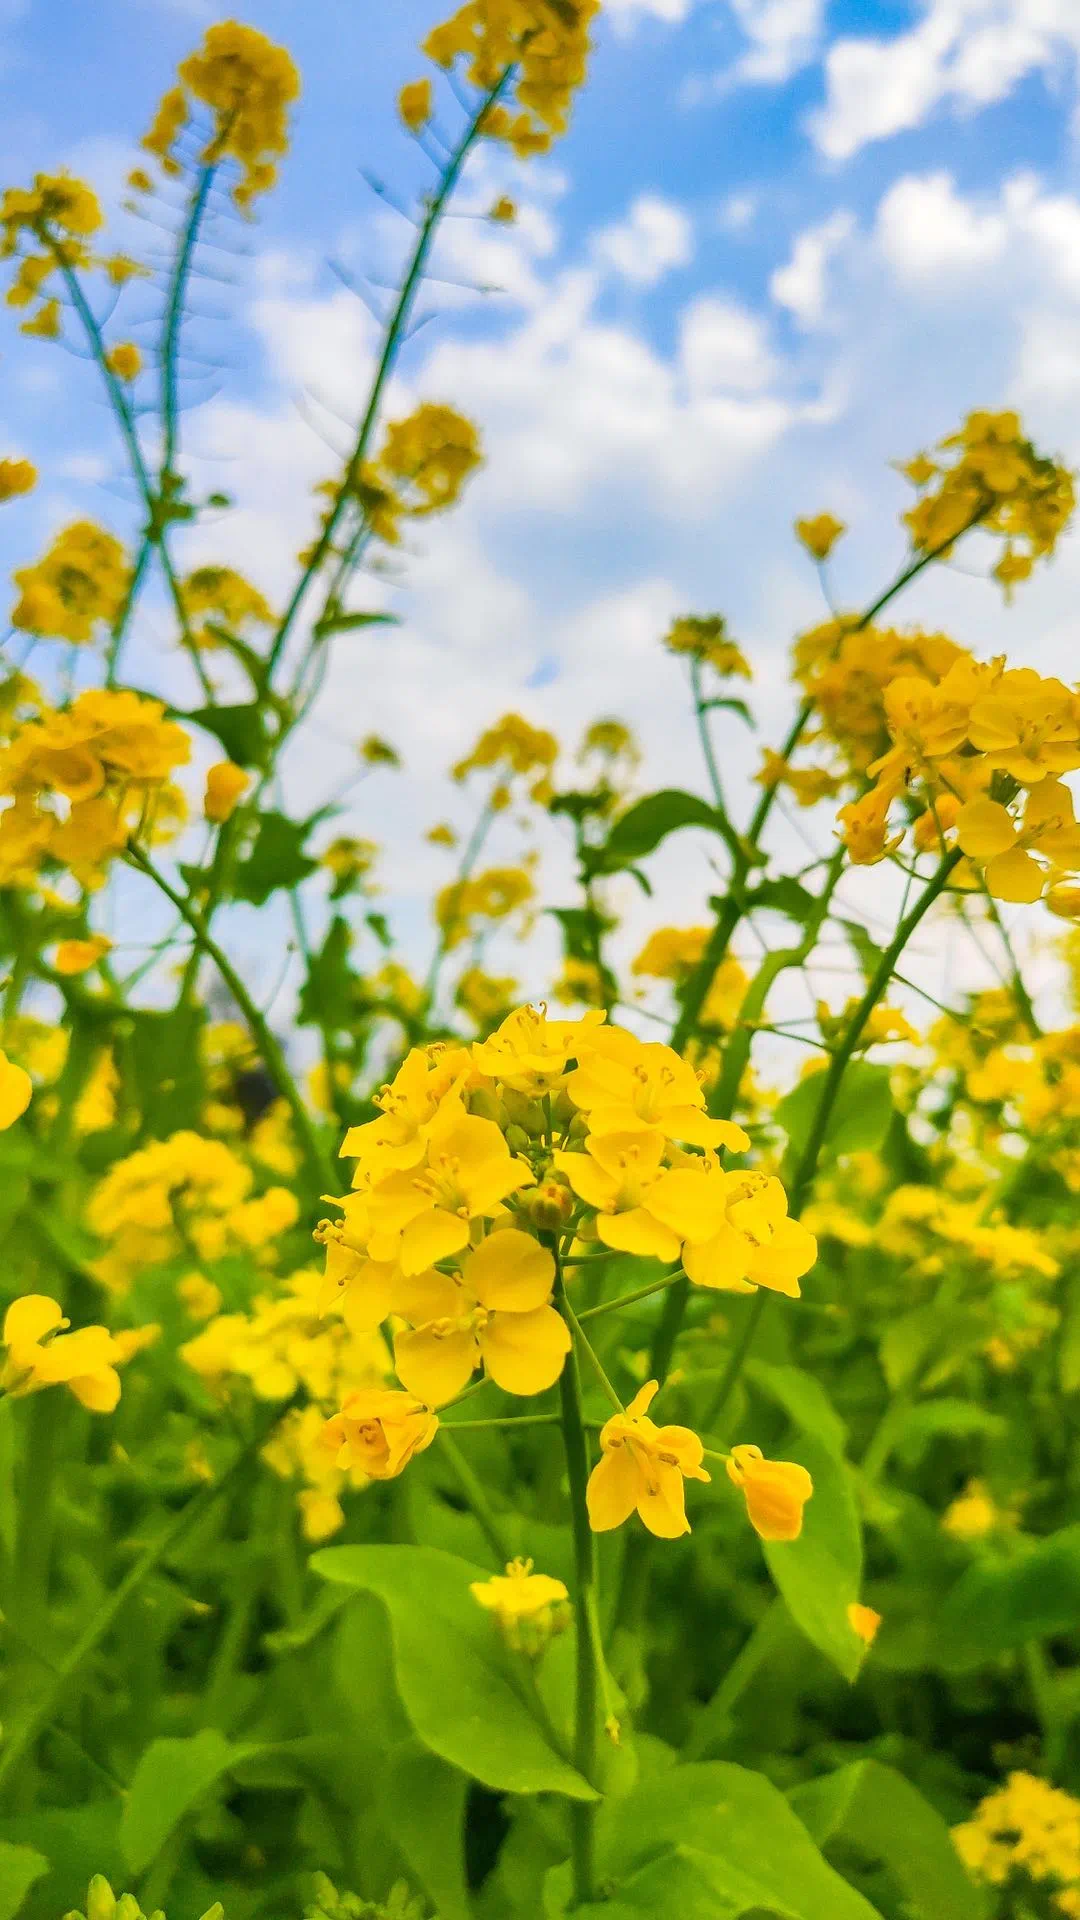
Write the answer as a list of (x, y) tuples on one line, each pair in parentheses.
[(642, 1206), (625, 1083), (200, 1297), (441, 835), (544, 47), (249, 84), (45, 323), (1027, 726), (225, 782), (16, 1088), (40, 1354), (78, 956), (705, 637), (1027, 1831), (1006, 848), (81, 580), (529, 1052), (16, 476), (225, 594), (424, 1215), (863, 1621), (379, 1430), (756, 1245), (776, 1492), (498, 1314), (494, 894), (502, 211), (807, 784), (528, 1607), (643, 1466), (973, 1514), (414, 104), (865, 824), (819, 536), (398, 1137), (124, 360)]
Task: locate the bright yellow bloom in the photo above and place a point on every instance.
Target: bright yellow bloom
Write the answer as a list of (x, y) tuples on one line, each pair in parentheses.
[(1006, 848), (756, 1245), (379, 1430), (820, 535), (424, 1215), (643, 1206), (705, 637), (863, 1621), (528, 1607), (776, 1492), (865, 824), (248, 84), (16, 476), (495, 894), (502, 211), (807, 784), (998, 480), (124, 360), (16, 1088), (81, 580), (643, 1466), (1027, 1832), (78, 956), (397, 1138), (228, 597), (200, 1297), (485, 996), (414, 104), (1027, 726), (973, 1514), (38, 1354), (441, 835), (511, 746), (225, 782), (546, 49), (626, 1083), (529, 1052), (499, 1314)]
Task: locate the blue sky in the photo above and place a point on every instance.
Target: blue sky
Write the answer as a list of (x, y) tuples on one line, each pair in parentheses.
[(784, 243)]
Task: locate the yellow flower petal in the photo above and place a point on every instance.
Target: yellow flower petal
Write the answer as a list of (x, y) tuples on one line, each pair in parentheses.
[(612, 1491), (525, 1352), (1015, 877), (637, 1232), (16, 1087), (510, 1270), (435, 1366), (434, 1236), (984, 829)]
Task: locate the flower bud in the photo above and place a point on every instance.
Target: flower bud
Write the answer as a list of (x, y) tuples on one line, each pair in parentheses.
[(776, 1492), (549, 1205)]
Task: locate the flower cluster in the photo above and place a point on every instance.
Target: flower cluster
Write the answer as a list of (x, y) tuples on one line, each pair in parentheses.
[(1027, 1832), (16, 476), (39, 1353), (248, 83), (421, 468), (544, 44), (54, 218), (79, 583), (705, 638), (83, 778), (497, 893), (673, 953), (995, 480), (512, 748), (180, 1195), (220, 603), (527, 1607), (103, 1904)]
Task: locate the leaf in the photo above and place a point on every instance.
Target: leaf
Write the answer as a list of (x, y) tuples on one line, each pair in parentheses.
[(326, 998), (872, 1810), (860, 1113), (580, 928), (868, 954), (163, 1054), (19, 1868), (421, 1802), (338, 622), (783, 895), (171, 1777), (463, 1696), (957, 1418), (380, 927), (644, 825), (1069, 1349), (731, 705), (995, 1606), (820, 1573), (241, 731), (712, 1841), (275, 857)]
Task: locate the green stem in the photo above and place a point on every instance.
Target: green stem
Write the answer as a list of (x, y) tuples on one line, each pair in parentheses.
[(60, 1690), (472, 1487), (511, 1420), (395, 333), (35, 1514), (582, 1813), (629, 1299), (581, 1340), (320, 1167), (174, 313)]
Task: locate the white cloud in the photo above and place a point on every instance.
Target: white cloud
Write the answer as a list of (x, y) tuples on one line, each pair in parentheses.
[(965, 53), (738, 212), (927, 230), (801, 284), (655, 236), (625, 13), (723, 348), (783, 36)]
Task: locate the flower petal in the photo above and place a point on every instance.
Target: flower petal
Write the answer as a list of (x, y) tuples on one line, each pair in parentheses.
[(525, 1352), (510, 1270), (1015, 877), (28, 1320), (637, 1232), (432, 1237), (612, 1493), (435, 1366)]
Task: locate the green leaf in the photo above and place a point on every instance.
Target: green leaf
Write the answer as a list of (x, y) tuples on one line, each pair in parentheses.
[(241, 731), (820, 1573), (326, 998), (580, 928), (421, 1802), (860, 1113), (19, 1868), (464, 1696), (783, 895), (958, 1418), (870, 1811), (275, 857), (171, 1778), (995, 1607), (731, 705), (868, 954), (164, 1055), (338, 622), (711, 1841), (644, 825)]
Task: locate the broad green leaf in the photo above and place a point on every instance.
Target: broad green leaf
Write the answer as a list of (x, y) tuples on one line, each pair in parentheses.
[(921, 1424), (73, 1842), (421, 1802), (644, 825), (712, 1832), (996, 1606), (859, 1117), (326, 998), (783, 895), (241, 731), (580, 928), (19, 1868), (163, 1054), (870, 1811), (464, 1695), (868, 954), (171, 1778), (820, 1573), (275, 858)]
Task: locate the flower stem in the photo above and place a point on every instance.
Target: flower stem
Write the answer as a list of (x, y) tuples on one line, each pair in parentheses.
[(472, 1487), (582, 1813)]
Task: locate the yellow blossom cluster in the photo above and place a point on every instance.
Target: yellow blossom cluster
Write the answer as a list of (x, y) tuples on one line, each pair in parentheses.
[(39, 1353), (248, 83), (485, 1160), (16, 476), (496, 893), (705, 638), (80, 582), (1026, 1837), (179, 1195), (540, 46), (221, 599), (82, 778), (55, 218), (527, 1607), (996, 480), (421, 468), (820, 535), (672, 953), (512, 749)]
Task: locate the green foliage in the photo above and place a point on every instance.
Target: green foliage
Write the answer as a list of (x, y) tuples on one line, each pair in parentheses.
[(19, 1868), (858, 1119), (867, 1817), (274, 857)]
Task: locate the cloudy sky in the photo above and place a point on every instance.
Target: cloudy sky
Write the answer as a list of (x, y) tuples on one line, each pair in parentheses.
[(786, 242)]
